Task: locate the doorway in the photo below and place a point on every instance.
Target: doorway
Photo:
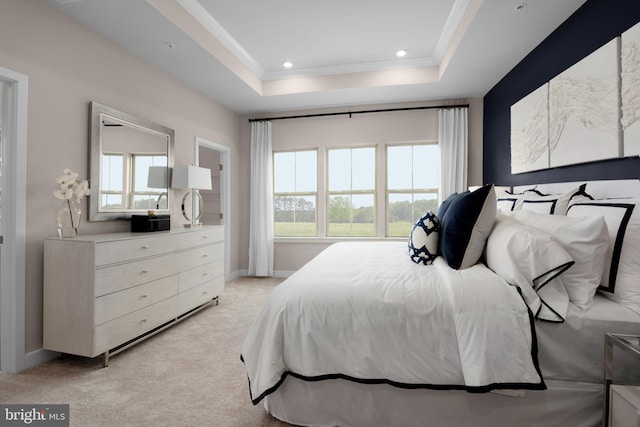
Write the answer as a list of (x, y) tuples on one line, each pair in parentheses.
[(215, 157), (13, 185)]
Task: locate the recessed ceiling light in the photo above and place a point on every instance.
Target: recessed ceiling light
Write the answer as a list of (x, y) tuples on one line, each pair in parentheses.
[(401, 53), (521, 6), (287, 64)]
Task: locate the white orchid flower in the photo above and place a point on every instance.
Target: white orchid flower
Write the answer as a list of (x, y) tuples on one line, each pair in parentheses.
[(82, 189), (66, 180), (70, 186), (63, 194)]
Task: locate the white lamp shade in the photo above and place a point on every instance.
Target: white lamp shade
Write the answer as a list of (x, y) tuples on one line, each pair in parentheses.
[(158, 177), (188, 176)]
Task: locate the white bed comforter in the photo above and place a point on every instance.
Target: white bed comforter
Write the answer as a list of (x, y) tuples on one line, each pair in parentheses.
[(363, 311)]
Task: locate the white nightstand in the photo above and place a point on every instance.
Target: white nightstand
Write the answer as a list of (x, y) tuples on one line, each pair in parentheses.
[(622, 402)]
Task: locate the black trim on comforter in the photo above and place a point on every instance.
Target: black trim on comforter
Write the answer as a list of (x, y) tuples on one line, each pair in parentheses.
[(470, 389)]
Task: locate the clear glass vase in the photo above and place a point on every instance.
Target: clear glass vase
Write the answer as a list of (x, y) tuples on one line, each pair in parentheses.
[(69, 218)]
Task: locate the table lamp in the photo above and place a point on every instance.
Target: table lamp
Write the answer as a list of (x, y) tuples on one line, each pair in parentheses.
[(193, 178)]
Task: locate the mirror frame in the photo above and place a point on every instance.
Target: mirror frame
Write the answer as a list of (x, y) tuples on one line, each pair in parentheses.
[(97, 110)]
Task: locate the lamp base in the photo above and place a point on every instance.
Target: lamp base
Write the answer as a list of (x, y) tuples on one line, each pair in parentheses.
[(195, 221)]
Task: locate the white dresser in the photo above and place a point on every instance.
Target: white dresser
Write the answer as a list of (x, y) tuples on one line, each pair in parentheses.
[(105, 292)]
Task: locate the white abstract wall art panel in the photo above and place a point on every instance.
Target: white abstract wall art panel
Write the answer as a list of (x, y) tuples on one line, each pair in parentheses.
[(584, 123), (529, 132), (630, 93)]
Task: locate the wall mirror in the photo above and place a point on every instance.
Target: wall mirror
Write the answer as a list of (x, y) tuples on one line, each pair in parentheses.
[(131, 161)]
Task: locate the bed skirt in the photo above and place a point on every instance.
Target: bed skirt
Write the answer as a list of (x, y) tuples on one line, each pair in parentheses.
[(345, 403)]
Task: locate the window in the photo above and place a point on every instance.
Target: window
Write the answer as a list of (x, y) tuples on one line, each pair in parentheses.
[(295, 193), (143, 197), (351, 192), (111, 191), (412, 185)]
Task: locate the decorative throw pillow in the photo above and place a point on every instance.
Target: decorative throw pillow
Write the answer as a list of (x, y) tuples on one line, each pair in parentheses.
[(532, 260), (621, 273), (465, 226), (586, 239), (423, 240)]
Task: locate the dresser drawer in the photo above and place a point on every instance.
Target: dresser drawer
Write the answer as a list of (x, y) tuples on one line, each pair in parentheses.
[(200, 294), (120, 330), (123, 276), (201, 237), (116, 304), (196, 276), (201, 255), (126, 250)]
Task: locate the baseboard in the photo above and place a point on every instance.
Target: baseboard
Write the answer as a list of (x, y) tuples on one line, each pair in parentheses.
[(238, 273), (37, 357), (282, 274)]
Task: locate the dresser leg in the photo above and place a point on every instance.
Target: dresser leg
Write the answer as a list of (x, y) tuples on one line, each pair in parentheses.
[(105, 360)]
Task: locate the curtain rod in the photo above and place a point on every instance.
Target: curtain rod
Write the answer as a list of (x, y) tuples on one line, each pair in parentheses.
[(349, 113)]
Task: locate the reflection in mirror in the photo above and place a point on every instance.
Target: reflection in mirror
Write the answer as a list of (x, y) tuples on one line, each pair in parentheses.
[(130, 160)]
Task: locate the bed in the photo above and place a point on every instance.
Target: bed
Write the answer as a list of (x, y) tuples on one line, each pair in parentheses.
[(365, 336)]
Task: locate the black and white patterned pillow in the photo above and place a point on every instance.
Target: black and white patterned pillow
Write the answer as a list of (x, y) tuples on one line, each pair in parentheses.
[(423, 240)]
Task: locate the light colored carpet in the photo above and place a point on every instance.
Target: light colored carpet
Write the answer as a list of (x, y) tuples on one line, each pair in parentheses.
[(188, 375)]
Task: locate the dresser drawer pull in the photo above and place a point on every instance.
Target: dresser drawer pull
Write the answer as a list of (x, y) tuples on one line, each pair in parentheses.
[(204, 293), (143, 296), (205, 236), (145, 271), (145, 247), (204, 274), (205, 255), (143, 321)]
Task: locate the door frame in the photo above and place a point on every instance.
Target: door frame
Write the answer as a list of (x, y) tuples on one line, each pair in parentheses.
[(13, 221), (225, 192)]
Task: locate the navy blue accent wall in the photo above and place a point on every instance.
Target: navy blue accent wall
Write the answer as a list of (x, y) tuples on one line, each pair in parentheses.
[(591, 26)]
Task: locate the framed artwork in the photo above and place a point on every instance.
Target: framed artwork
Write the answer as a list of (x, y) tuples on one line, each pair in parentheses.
[(584, 123), (630, 90), (530, 132)]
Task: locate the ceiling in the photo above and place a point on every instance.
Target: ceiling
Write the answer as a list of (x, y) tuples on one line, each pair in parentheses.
[(343, 52)]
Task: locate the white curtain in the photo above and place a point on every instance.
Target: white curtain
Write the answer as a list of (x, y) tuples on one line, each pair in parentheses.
[(453, 134), (261, 204)]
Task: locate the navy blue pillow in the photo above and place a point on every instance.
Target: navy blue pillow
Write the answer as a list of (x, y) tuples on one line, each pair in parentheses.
[(465, 225), (444, 206)]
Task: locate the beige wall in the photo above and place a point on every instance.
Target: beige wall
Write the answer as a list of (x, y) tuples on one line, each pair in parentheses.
[(362, 129), (69, 66)]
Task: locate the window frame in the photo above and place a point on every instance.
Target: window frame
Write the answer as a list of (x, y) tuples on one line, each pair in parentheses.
[(120, 193), (351, 192), (296, 193), (411, 191)]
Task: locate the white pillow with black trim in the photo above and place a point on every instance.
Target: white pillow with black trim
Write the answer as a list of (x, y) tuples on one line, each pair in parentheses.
[(531, 260), (556, 204), (506, 201), (621, 273), (586, 239), (423, 240)]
